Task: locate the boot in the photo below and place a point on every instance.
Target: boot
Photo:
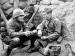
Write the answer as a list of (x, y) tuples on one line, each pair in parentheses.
[(34, 49)]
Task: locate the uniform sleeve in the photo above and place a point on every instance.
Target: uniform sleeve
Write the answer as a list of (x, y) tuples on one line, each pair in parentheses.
[(56, 34), (10, 27), (11, 30)]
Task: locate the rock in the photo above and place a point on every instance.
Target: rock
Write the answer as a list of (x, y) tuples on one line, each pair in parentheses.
[(2, 24), (2, 29), (9, 11), (11, 2), (56, 2), (66, 0), (32, 1), (22, 4), (7, 5), (45, 2), (3, 1), (1, 19), (66, 12), (28, 54)]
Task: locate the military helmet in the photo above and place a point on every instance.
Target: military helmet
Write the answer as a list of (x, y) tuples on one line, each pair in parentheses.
[(17, 12)]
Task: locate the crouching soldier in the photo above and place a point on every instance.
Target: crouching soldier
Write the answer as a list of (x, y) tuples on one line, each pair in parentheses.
[(49, 31), (15, 28)]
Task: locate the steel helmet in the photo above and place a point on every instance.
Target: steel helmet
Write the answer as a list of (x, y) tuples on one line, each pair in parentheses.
[(17, 12)]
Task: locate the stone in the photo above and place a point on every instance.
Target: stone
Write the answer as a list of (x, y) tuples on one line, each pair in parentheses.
[(7, 5), (9, 11)]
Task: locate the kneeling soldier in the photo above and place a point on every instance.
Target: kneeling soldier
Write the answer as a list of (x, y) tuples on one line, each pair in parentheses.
[(15, 28), (49, 31)]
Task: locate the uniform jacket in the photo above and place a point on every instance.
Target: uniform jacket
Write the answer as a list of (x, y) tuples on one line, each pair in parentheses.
[(50, 29), (14, 28)]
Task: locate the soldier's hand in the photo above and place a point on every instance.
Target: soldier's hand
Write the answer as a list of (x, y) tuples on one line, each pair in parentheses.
[(44, 37), (39, 33), (27, 33), (34, 31), (16, 39)]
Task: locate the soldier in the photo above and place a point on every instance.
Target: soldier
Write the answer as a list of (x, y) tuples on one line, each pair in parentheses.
[(49, 31), (36, 20), (15, 28)]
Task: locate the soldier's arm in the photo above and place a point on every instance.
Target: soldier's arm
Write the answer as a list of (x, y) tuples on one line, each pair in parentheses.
[(12, 33), (57, 32), (40, 28)]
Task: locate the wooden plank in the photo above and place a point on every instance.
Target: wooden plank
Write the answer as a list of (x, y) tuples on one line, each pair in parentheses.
[(3, 16)]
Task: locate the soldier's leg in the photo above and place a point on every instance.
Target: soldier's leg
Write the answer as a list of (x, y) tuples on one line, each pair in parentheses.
[(33, 47), (24, 41), (33, 39), (39, 44), (13, 44)]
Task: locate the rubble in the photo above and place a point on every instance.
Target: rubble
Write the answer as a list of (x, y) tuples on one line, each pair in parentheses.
[(65, 12)]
